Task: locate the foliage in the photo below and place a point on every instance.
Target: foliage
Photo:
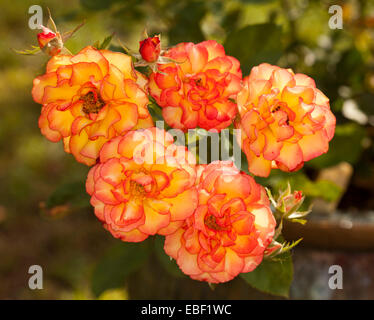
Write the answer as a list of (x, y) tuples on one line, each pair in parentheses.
[(168, 263), (254, 31), (256, 48), (71, 193), (118, 262), (272, 276)]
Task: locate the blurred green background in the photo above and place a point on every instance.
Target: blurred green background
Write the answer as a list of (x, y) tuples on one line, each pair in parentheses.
[(57, 230)]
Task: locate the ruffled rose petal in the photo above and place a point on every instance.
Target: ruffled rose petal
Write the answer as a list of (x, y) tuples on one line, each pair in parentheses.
[(90, 98), (229, 231), (285, 120), (153, 198), (199, 90)]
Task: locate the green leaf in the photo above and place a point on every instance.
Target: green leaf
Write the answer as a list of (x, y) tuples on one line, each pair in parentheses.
[(169, 265), (118, 263), (272, 276), (72, 193), (323, 188), (255, 44), (327, 190), (278, 180), (32, 51), (105, 44), (155, 111)]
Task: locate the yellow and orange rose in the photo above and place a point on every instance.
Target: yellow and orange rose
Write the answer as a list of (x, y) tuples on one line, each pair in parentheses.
[(143, 185), (284, 119), (89, 98), (230, 229), (197, 90)]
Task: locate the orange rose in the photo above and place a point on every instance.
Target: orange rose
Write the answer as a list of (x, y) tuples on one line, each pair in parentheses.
[(90, 98), (284, 119), (230, 229), (143, 185), (197, 90)]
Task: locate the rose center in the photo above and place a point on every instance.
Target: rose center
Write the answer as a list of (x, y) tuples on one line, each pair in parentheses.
[(210, 221), (136, 189), (278, 108), (92, 102), (198, 82)]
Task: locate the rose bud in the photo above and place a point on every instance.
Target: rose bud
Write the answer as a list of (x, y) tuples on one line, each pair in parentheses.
[(50, 42), (150, 48)]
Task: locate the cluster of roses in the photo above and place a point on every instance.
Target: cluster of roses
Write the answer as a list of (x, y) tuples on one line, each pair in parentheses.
[(216, 220)]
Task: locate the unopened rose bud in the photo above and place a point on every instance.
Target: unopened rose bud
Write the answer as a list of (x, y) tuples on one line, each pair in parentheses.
[(150, 49), (292, 201), (49, 42), (298, 195)]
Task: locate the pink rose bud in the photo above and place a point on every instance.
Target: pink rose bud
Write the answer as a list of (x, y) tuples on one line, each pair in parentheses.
[(150, 49), (49, 42), (292, 201), (298, 195)]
